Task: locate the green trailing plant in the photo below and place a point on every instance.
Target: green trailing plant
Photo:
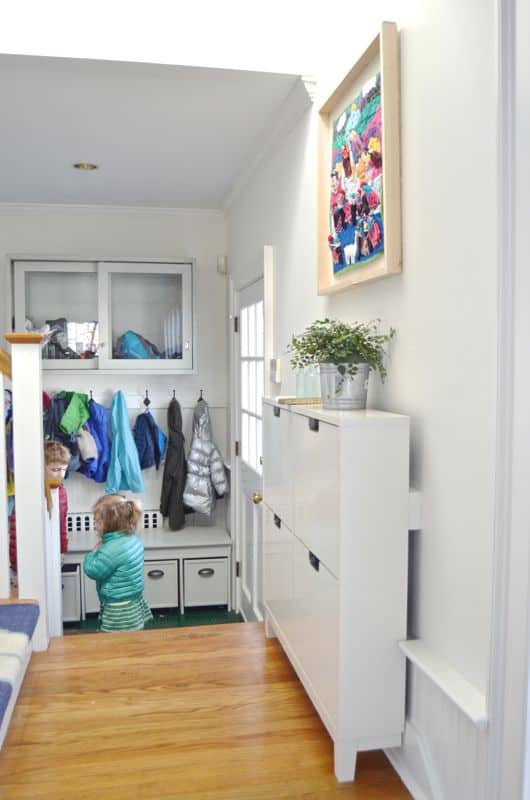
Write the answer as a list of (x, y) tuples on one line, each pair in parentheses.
[(346, 344)]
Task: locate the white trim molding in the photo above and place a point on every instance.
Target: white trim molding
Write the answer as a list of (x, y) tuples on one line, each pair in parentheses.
[(469, 700), (509, 656)]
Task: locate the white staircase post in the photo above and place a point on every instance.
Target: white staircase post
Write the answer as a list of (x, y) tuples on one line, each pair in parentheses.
[(29, 476), (53, 567)]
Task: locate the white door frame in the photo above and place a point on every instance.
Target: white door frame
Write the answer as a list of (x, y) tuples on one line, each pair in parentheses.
[(238, 482), (270, 348), (508, 741)]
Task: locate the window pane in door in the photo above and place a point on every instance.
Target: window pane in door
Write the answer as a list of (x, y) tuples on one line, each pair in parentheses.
[(244, 385), (243, 335), (259, 329), (146, 315), (252, 387), (244, 437), (259, 387), (252, 330), (252, 454)]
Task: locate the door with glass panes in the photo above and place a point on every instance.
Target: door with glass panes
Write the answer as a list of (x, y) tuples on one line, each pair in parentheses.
[(250, 374)]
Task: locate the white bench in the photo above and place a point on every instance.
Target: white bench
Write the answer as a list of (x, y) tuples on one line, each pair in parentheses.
[(190, 567)]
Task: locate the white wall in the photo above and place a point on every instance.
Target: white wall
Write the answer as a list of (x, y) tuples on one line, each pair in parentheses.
[(109, 232), (442, 370)]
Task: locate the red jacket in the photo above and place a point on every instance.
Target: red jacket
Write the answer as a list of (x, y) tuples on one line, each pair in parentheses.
[(63, 511)]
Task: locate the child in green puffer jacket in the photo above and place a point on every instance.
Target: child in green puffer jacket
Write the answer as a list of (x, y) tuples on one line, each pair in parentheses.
[(117, 565)]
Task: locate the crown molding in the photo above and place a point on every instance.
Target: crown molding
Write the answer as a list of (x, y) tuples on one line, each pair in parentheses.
[(77, 208), (297, 103)]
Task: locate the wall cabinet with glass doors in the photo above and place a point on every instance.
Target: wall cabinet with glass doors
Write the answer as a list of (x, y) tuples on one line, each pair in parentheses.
[(111, 315)]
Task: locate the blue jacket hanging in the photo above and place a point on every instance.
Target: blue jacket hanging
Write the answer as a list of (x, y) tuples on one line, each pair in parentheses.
[(98, 426), (124, 472), (150, 440)]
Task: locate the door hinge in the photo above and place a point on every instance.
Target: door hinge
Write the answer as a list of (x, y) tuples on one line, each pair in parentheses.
[(237, 448), (238, 569), (236, 324)]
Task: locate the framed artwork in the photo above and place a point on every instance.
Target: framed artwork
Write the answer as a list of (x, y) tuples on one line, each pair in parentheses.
[(359, 175)]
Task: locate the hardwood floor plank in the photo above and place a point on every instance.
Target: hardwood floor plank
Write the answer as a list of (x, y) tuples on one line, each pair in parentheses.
[(206, 713)]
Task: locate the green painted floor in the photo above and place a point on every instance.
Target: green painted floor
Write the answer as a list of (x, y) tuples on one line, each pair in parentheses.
[(166, 618)]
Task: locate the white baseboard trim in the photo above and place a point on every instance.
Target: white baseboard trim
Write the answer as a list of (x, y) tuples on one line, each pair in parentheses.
[(412, 762), (400, 766)]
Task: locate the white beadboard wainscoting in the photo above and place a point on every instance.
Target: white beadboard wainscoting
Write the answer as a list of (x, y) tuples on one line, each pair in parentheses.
[(443, 755)]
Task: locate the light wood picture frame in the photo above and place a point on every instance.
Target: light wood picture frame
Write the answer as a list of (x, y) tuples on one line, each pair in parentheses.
[(359, 174)]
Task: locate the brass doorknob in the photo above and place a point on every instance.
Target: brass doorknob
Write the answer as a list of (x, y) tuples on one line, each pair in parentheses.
[(256, 498)]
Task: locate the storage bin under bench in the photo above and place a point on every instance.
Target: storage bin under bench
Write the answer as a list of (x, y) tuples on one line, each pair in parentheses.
[(190, 567)]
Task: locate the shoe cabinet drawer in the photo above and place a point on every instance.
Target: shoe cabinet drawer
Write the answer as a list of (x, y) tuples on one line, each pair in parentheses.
[(315, 459), (71, 586), (91, 595), (161, 584), (277, 469), (205, 581)]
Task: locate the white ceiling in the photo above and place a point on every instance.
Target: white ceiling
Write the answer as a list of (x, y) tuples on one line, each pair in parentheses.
[(162, 136)]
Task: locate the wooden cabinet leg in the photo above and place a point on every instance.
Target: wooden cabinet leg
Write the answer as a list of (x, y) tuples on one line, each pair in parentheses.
[(345, 758)]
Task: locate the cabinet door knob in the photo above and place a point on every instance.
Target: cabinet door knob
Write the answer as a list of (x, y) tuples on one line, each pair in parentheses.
[(256, 498), (155, 573), (206, 572)]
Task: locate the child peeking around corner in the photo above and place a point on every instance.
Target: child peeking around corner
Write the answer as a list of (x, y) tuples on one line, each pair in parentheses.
[(56, 460), (117, 565)]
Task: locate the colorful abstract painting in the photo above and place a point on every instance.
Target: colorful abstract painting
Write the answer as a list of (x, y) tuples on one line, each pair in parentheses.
[(356, 220)]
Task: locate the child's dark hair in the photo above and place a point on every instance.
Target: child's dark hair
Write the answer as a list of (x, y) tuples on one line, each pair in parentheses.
[(56, 452), (115, 512)]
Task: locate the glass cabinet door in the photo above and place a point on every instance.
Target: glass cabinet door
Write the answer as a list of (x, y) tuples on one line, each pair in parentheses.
[(62, 295), (146, 316)]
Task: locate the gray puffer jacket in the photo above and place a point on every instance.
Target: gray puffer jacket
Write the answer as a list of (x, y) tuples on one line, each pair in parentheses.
[(206, 477)]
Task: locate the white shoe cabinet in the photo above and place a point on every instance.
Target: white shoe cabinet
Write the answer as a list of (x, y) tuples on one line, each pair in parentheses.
[(335, 488)]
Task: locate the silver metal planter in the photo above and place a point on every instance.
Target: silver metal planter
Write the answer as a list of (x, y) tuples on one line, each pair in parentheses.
[(343, 392)]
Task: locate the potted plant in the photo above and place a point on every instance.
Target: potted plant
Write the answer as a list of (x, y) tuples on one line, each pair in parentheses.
[(345, 353)]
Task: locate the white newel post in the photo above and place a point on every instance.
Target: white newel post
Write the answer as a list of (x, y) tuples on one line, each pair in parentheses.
[(4, 523), (53, 567), (29, 476)]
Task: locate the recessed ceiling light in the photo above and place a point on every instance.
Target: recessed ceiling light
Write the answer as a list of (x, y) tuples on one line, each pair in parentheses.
[(86, 166)]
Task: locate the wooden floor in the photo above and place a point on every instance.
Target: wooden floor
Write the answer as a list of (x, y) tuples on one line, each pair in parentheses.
[(205, 713)]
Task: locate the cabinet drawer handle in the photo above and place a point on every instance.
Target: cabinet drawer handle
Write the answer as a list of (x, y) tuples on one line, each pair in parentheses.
[(276, 411), (313, 424), (277, 521), (206, 572), (314, 561), (156, 574)]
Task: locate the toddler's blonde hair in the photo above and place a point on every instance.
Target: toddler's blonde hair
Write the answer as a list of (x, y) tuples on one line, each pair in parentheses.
[(115, 512)]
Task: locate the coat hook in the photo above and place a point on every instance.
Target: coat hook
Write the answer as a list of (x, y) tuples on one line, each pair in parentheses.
[(91, 394), (200, 396), (174, 398), (146, 399)]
